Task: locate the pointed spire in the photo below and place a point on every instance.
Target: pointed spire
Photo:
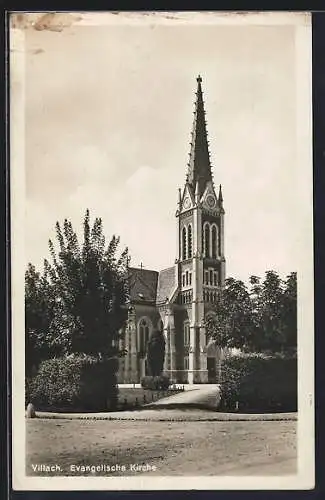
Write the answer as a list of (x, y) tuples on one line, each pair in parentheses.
[(220, 194), (199, 167)]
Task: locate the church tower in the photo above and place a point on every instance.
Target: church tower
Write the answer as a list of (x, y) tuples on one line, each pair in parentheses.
[(200, 260), (177, 300)]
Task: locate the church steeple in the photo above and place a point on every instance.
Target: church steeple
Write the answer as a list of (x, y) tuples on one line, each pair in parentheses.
[(199, 166)]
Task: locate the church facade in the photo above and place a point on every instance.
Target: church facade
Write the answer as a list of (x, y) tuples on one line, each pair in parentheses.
[(176, 301)]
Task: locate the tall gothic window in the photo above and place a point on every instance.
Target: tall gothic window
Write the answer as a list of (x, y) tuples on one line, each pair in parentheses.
[(214, 242), (189, 241), (186, 333), (219, 243), (207, 240), (184, 243), (143, 335)]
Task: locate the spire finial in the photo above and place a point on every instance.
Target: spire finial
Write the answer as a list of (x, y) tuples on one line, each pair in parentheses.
[(220, 194), (199, 79)]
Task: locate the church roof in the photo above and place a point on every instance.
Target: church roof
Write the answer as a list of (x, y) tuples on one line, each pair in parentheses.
[(199, 166), (166, 284), (143, 284)]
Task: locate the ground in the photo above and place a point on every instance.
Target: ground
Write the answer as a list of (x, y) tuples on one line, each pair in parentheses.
[(174, 448)]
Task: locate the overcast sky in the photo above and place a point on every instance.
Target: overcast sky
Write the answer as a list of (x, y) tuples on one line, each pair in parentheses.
[(109, 111)]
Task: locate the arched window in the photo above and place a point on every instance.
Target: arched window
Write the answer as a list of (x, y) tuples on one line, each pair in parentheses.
[(184, 243), (207, 240), (218, 243), (143, 335), (214, 241), (189, 241), (186, 333)]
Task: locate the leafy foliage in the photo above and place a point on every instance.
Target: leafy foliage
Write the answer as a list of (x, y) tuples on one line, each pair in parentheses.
[(259, 382), (156, 353), (260, 318), (160, 382), (78, 304), (39, 313), (80, 382), (232, 324)]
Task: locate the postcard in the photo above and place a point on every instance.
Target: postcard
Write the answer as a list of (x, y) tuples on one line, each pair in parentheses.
[(161, 250)]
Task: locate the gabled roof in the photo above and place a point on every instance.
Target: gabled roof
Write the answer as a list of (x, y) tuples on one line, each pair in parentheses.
[(166, 284), (143, 284)]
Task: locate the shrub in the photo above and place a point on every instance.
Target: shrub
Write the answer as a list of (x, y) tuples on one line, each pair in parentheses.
[(157, 383), (79, 382), (259, 383)]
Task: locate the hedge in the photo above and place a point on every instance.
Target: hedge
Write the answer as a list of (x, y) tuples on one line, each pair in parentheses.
[(160, 382), (79, 382), (259, 383)]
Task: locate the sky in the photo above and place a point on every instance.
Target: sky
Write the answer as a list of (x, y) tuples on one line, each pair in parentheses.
[(108, 115)]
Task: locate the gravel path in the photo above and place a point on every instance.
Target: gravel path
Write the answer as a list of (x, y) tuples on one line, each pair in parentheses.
[(173, 448), (206, 395)]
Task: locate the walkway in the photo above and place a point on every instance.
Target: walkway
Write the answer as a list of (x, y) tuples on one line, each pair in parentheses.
[(207, 396), (199, 404)]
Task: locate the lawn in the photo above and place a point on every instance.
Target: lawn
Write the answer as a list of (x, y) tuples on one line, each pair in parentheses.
[(174, 448)]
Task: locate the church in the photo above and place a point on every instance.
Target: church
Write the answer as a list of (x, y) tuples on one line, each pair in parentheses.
[(177, 300)]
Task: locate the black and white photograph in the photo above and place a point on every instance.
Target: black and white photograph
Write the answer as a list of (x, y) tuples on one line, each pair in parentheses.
[(161, 250)]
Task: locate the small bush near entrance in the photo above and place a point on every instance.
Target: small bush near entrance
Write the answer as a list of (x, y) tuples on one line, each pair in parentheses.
[(259, 383), (79, 382), (158, 383)]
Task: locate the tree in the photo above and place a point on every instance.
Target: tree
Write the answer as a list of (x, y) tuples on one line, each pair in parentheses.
[(79, 304), (39, 313), (156, 353), (232, 324), (260, 318), (274, 304), (289, 311)]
